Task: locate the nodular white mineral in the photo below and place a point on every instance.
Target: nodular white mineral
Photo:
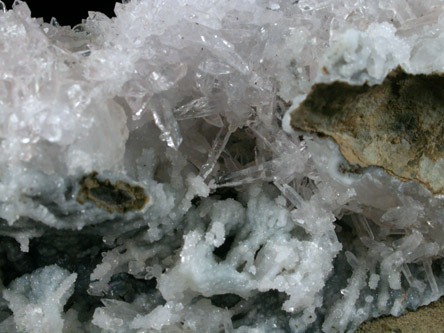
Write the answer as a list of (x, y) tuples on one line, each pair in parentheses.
[(150, 179)]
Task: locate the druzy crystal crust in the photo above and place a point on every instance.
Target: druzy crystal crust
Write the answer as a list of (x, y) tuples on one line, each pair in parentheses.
[(177, 168)]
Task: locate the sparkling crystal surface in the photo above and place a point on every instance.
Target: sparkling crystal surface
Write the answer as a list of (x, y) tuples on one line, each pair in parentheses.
[(150, 179)]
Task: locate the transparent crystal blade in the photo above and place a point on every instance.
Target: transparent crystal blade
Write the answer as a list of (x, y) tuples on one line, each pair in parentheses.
[(249, 175), (165, 121), (290, 193), (218, 146), (198, 108), (431, 277)]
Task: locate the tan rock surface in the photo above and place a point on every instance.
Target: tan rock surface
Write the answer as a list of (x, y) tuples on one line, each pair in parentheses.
[(397, 125), (427, 319)]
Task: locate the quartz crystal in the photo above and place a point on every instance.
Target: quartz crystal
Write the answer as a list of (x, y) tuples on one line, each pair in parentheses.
[(176, 168)]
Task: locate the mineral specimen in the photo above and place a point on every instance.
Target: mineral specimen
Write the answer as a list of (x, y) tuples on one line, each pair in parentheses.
[(154, 175), (120, 197), (397, 125)]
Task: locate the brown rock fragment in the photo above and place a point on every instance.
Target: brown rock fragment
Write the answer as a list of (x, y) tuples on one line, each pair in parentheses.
[(397, 125), (120, 197)]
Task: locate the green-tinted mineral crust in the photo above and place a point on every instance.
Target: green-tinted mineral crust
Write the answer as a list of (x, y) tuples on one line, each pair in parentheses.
[(397, 125)]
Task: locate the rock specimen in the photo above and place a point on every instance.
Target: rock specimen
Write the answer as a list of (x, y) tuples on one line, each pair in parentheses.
[(120, 197), (151, 177), (397, 125)]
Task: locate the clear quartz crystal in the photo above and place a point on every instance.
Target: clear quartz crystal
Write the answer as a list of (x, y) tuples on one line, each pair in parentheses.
[(290, 193), (198, 108), (165, 121), (431, 278), (249, 175), (218, 146)]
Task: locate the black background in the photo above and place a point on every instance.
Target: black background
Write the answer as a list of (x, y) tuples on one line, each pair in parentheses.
[(67, 12)]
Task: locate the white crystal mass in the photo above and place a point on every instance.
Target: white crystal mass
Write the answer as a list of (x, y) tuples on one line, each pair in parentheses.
[(250, 226)]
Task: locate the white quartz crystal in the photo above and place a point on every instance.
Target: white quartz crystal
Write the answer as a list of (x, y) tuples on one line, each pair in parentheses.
[(247, 225)]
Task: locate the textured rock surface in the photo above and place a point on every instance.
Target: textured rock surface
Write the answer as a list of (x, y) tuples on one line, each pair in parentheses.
[(120, 197), (424, 320), (396, 125), (150, 178)]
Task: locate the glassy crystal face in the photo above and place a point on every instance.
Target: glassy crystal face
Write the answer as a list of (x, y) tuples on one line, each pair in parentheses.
[(155, 176)]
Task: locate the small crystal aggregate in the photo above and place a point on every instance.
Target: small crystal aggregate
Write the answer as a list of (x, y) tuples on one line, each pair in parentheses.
[(151, 178)]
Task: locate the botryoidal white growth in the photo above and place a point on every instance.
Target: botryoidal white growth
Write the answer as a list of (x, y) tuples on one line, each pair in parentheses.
[(247, 226)]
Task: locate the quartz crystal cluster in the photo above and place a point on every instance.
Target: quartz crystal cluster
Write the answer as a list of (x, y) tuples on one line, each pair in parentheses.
[(156, 173)]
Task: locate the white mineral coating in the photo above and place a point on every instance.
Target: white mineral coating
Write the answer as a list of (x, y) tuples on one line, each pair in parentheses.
[(248, 225), (37, 299)]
